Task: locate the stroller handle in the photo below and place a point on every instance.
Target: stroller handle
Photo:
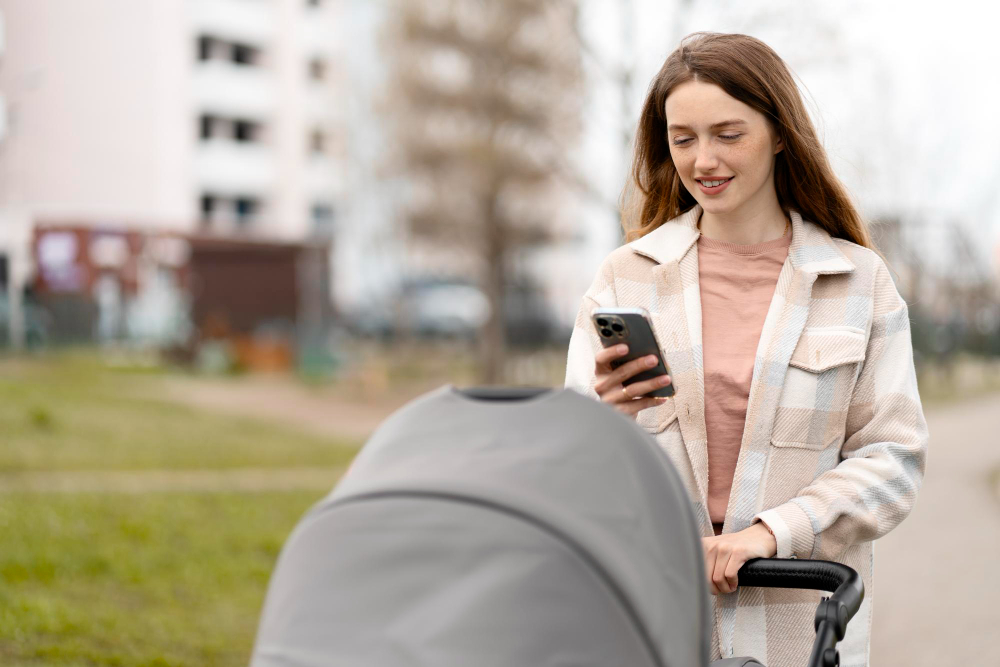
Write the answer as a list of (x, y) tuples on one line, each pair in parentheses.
[(832, 614), (818, 575)]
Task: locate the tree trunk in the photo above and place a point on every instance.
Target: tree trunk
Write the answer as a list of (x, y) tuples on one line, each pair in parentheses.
[(494, 339)]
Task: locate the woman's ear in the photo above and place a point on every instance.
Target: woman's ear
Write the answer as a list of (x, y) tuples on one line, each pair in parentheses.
[(779, 145)]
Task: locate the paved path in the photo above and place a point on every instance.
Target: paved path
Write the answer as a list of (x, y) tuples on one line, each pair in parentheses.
[(936, 575)]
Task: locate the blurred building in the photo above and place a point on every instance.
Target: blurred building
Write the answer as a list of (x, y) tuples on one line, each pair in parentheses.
[(206, 117)]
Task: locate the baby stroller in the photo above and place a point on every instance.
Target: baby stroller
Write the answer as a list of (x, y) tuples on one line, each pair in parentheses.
[(512, 527)]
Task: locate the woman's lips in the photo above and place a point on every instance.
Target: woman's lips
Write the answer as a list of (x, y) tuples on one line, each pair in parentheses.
[(717, 189)]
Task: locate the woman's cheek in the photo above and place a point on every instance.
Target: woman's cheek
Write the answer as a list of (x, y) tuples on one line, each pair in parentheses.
[(750, 158), (683, 168)]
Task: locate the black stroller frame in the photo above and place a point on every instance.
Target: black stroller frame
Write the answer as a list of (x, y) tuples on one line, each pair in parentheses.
[(832, 614)]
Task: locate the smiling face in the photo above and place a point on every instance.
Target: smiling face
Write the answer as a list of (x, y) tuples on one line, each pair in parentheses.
[(723, 150)]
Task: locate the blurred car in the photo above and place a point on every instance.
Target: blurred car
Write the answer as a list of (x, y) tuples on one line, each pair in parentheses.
[(449, 308)]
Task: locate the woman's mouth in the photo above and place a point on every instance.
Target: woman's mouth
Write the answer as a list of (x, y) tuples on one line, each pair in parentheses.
[(713, 186)]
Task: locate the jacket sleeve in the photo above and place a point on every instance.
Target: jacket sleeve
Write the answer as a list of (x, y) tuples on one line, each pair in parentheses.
[(883, 456), (584, 342)]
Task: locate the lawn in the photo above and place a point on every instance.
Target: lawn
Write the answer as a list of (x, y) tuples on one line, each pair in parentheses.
[(148, 578), (68, 412)]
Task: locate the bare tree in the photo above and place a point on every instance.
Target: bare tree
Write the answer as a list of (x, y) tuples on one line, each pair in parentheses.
[(484, 103)]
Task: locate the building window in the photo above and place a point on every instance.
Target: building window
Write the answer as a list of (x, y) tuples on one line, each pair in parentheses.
[(206, 126), (243, 54), (317, 142), (204, 48), (237, 129), (322, 215), (209, 210), (317, 69), (244, 131), (227, 210), (246, 208), (322, 220), (213, 48)]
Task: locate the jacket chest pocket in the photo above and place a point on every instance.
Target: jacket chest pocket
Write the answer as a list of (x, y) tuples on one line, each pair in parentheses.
[(812, 411)]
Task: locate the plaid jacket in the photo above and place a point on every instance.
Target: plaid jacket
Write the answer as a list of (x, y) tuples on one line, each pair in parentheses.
[(835, 441)]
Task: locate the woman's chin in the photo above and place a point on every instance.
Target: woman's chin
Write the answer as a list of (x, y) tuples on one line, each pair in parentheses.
[(715, 206)]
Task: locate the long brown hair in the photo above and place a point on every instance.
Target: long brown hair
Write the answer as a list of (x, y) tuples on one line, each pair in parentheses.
[(750, 71)]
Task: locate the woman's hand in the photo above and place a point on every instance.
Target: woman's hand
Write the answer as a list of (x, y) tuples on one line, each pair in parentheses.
[(608, 382), (726, 554)]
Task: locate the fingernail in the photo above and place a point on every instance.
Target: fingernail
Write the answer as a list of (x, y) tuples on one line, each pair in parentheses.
[(664, 380), (662, 399), (622, 349), (650, 361)]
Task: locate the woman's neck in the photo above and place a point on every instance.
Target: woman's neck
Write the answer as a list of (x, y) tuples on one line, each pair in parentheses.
[(745, 227)]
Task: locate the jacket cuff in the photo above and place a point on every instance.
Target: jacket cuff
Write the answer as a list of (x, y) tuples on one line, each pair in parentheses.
[(792, 530)]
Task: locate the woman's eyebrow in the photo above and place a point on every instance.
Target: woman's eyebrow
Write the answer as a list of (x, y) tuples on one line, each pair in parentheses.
[(732, 121)]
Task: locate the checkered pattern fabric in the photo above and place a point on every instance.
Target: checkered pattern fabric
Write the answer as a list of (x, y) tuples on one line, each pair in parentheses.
[(835, 441)]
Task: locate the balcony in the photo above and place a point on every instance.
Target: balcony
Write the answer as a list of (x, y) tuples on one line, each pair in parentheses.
[(321, 178), (229, 167), (228, 89), (319, 36), (250, 21), (320, 104)]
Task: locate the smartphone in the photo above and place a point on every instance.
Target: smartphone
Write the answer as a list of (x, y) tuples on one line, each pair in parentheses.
[(632, 327)]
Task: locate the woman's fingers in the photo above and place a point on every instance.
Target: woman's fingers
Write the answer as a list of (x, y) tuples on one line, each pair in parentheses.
[(606, 355), (722, 564), (708, 545), (719, 573), (607, 382), (732, 569), (636, 406), (726, 554), (649, 386)]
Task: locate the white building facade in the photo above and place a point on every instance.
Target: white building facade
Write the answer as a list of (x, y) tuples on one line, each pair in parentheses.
[(204, 116), (185, 114)]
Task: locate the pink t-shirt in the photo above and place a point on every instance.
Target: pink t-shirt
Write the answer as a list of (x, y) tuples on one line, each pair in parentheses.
[(737, 284)]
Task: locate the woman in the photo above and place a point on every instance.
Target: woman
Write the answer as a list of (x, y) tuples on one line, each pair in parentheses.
[(796, 422)]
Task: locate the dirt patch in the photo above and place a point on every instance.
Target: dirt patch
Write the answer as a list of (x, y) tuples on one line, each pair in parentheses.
[(326, 411), (151, 481)]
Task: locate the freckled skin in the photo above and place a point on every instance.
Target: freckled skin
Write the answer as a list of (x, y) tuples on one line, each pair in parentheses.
[(747, 211)]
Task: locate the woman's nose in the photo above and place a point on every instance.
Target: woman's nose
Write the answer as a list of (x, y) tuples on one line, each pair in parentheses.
[(705, 160)]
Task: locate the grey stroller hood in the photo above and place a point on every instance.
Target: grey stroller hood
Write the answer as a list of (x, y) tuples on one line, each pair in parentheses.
[(544, 531)]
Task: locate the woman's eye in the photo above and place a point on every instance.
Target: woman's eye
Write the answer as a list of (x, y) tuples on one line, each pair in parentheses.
[(729, 137)]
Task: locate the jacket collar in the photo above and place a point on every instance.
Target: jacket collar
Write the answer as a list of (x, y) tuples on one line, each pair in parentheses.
[(812, 250)]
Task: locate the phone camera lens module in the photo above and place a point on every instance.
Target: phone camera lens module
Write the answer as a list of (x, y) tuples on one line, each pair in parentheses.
[(617, 327), (606, 332), (601, 322)]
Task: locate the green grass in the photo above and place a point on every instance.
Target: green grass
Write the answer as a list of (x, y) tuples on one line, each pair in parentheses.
[(71, 413), (153, 579), (136, 579)]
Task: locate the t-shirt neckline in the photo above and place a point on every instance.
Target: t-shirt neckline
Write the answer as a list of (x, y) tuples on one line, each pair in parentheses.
[(745, 249)]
